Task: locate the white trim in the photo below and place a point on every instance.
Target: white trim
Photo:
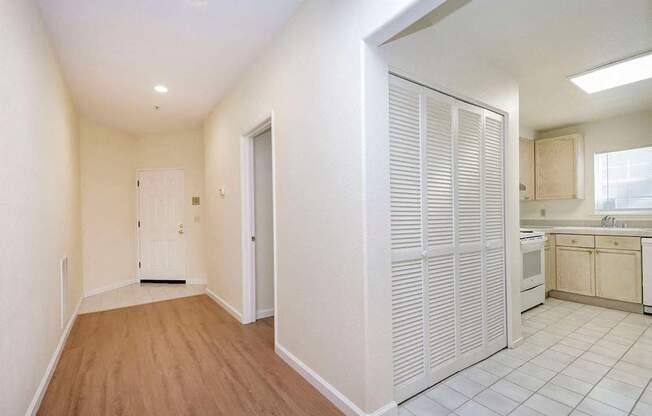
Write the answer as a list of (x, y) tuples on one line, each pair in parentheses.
[(408, 15), (264, 313), (336, 397), (225, 305), (197, 281), (516, 343), (52, 365), (107, 288), (264, 123)]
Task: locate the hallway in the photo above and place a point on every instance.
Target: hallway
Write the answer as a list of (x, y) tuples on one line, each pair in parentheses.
[(182, 356)]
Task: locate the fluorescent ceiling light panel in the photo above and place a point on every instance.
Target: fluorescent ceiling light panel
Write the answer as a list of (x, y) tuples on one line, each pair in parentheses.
[(613, 75), (161, 89)]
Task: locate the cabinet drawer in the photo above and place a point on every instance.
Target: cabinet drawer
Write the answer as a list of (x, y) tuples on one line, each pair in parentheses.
[(618, 242), (575, 240)]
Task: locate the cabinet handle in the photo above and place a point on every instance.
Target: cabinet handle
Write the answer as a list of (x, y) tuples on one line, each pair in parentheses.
[(573, 241), (615, 243)]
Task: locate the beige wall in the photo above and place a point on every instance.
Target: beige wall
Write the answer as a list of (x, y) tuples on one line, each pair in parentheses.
[(39, 203), (310, 78), (617, 133), (110, 159)]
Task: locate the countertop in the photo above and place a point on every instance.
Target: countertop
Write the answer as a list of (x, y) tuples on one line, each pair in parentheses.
[(634, 232)]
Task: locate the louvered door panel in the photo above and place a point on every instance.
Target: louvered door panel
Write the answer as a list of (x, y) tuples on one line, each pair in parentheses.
[(495, 292), (469, 138), (493, 177), (470, 301), (405, 167), (439, 177), (406, 196), (441, 310), (408, 321)]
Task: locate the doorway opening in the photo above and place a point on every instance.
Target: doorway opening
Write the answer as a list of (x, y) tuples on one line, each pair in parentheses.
[(259, 241)]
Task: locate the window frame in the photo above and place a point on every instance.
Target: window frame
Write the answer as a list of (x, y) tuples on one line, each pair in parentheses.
[(622, 212)]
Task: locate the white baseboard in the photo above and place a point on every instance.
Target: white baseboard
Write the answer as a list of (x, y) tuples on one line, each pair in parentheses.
[(264, 313), (107, 288), (197, 281), (225, 305), (516, 343), (42, 387), (342, 402)]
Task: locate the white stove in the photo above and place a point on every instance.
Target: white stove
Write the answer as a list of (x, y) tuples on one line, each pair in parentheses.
[(533, 291)]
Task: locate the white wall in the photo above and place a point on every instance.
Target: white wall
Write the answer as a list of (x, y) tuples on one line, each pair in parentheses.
[(310, 77), (110, 159), (617, 133), (39, 203), (433, 58)]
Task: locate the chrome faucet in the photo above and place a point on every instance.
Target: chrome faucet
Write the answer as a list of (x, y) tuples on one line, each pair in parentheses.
[(608, 221)]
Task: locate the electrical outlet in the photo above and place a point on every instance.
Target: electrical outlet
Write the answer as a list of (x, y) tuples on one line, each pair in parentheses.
[(543, 212)]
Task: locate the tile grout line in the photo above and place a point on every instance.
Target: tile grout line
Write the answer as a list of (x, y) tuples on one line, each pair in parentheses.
[(546, 349), (611, 368), (638, 399), (569, 364)]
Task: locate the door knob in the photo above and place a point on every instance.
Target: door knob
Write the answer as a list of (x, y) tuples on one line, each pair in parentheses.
[(180, 228)]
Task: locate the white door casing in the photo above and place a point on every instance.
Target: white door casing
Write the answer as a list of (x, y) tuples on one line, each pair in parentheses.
[(447, 235), (161, 234)]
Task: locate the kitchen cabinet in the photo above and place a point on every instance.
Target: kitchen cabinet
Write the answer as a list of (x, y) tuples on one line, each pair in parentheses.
[(575, 270), (526, 169), (618, 275), (559, 167), (551, 272)]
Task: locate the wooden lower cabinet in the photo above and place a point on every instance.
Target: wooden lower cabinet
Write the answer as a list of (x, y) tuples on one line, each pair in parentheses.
[(551, 268), (618, 275), (575, 270)]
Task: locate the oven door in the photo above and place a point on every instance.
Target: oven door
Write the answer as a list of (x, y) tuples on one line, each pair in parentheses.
[(533, 273)]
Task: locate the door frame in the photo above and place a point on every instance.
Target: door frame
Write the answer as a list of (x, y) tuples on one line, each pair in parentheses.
[(248, 225), (139, 276)]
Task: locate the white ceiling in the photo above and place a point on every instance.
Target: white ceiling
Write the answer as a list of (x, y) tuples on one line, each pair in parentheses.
[(113, 52), (542, 42)]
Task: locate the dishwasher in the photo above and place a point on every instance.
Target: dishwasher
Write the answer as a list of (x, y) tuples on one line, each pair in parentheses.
[(646, 246)]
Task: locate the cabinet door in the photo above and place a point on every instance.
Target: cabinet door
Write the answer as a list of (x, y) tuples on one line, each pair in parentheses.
[(551, 272), (618, 275), (575, 270), (526, 169), (558, 167)]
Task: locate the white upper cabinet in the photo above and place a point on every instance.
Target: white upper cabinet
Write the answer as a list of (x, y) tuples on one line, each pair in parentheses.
[(559, 167)]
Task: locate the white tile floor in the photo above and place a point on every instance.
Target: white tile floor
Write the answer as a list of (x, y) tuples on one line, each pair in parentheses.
[(576, 360), (138, 294)]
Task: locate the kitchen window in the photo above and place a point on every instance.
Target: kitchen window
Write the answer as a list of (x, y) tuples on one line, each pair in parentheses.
[(623, 180)]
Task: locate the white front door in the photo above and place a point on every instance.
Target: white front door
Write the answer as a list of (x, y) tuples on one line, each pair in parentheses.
[(162, 254)]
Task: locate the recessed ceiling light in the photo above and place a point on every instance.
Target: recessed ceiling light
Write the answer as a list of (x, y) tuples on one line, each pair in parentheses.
[(162, 89), (627, 71)]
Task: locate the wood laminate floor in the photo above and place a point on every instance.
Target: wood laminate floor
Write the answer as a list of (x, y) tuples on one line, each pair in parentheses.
[(178, 357)]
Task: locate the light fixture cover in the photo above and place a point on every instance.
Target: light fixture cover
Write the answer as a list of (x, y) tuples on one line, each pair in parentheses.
[(626, 71), (161, 89)]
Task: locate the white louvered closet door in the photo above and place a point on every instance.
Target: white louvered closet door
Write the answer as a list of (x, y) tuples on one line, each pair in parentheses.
[(448, 274), (408, 315)]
